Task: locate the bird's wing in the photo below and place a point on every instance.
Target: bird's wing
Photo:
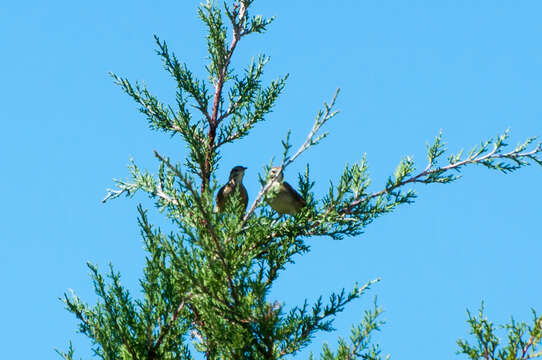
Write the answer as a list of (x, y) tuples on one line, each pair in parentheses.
[(220, 198), (244, 195), (292, 191)]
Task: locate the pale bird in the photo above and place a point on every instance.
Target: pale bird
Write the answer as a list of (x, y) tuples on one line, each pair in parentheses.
[(283, 197), (235, 182)]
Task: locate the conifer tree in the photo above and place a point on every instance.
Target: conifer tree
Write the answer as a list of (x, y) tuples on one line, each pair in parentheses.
[(205, 286)]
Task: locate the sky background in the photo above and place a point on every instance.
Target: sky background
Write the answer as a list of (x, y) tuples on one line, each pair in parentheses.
[(406, 70)]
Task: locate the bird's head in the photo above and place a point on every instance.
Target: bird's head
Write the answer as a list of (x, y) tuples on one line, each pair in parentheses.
[(237, 173), (274, 172)]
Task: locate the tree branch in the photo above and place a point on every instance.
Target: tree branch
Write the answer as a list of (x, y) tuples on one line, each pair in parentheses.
[(321, 119), (168, 326), (419, 178), (214, 120)]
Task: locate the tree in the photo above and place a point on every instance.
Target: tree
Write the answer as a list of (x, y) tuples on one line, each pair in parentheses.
[(205, 287)]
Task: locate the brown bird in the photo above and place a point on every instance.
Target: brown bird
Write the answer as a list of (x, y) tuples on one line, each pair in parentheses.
[(284, 199), (235, 182)]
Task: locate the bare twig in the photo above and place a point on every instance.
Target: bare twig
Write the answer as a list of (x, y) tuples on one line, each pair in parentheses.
[(321, 119), (112, 194)]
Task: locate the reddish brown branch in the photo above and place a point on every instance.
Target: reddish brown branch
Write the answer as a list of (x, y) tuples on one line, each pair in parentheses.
[(167, 327), (214, 120)]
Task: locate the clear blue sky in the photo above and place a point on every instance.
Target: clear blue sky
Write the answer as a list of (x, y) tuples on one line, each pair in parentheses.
[(470, 68)]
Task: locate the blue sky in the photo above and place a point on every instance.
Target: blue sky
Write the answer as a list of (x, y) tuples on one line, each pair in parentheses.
[(406, 70)]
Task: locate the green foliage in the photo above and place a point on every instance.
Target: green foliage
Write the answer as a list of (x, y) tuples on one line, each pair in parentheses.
[(205, 287), (360, 345), (523, 341)]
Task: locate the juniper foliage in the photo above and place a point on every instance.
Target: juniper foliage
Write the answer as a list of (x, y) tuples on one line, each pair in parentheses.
[(205, 288), (523, 341)]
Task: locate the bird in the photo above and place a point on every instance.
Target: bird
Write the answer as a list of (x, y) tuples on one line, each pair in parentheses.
[(235, 182), (284, 199)]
